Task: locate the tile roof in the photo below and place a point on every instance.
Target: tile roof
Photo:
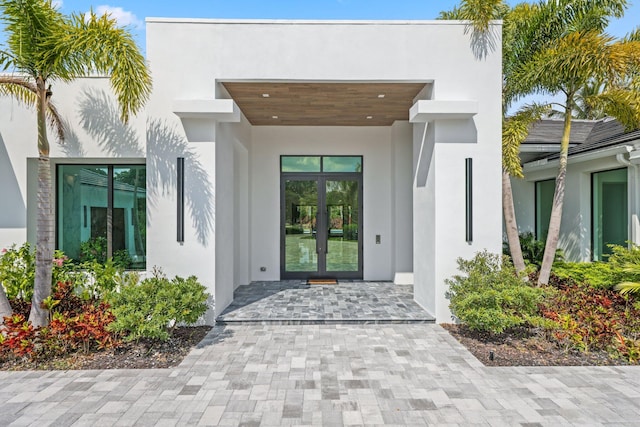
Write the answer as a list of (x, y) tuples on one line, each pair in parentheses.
[(549, 131), (586, 135)]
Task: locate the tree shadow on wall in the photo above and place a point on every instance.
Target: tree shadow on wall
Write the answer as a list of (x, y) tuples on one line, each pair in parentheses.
[(100, 117), (483, 43), (72, 146), (13, 213)]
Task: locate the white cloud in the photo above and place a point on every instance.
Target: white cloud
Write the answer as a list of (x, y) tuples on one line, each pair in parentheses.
[(123, 17)]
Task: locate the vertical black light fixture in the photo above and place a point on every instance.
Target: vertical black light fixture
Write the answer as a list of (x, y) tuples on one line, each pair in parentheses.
[(469, 199), (110, 211), (180, 198)]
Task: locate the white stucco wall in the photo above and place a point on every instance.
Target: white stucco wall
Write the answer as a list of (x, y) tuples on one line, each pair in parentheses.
[(402, 201), (94, 135), (524, 196), (575, 229)]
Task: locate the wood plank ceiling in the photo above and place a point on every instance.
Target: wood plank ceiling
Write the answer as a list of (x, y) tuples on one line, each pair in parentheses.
[(324, 104)]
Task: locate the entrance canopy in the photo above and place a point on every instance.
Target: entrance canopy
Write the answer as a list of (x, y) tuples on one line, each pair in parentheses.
[(324, 103)]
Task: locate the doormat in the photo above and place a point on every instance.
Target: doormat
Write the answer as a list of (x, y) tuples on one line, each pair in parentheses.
[(322, 282)]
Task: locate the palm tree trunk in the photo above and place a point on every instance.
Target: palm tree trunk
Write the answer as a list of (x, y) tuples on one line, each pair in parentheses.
[(558, 200), (5, 306), (510, 223), (39, 316)]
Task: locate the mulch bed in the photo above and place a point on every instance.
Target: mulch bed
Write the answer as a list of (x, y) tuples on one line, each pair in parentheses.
[(144, 354), (523, 347)]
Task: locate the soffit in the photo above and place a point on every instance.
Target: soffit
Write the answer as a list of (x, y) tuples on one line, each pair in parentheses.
[(324, 104)]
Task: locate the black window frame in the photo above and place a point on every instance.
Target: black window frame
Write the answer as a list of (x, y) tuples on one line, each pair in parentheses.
[(110, 197)]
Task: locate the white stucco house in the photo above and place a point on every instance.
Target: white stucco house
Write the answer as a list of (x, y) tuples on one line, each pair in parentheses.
[(274, 150), (601, 204)]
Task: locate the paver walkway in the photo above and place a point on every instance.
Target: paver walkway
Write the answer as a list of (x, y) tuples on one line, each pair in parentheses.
[(294, 302), (269, 375)]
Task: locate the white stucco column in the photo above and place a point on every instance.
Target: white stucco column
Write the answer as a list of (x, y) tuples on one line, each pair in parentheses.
[(445, 134), (201, 119)]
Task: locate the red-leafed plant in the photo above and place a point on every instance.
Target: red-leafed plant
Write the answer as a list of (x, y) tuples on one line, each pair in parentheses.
[(18, 336), (76, 325), (588, 319)]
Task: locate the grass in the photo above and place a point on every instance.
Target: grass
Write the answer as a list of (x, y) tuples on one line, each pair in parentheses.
[(301, 254)]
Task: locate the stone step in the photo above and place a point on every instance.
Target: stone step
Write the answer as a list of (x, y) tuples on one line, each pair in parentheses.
[(221, 320)]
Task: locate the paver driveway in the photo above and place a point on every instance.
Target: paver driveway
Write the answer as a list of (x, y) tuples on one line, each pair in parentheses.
[(331, 375)]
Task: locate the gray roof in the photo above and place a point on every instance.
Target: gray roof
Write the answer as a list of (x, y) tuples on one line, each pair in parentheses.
[(586, 135), (549, 131), (606, 133)]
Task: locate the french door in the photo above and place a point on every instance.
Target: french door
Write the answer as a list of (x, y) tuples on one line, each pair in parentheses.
[(321, 233)]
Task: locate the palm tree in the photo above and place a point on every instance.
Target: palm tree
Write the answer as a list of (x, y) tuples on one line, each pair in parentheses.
[(559, 46), (514, 131), (44, 46), (566, 65)]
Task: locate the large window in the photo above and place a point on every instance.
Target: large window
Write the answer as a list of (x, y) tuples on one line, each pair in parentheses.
[(610, 217), (101, 213), (544, 202)]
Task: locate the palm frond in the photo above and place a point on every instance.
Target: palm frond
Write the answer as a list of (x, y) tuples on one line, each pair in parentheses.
[(633, 35), (93, 43), (515, 130), (530, 29), (56, 122), (450, 15), (19, 88), (587, 105), (481, 12), (6, 60), (568, 64), (29, 25), (623, 104), (628, 288), (25, 92)]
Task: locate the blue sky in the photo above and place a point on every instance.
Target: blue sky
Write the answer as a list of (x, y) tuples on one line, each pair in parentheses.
[(133, 13)]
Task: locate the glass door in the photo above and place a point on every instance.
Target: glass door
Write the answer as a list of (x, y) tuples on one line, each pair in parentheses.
[(321, 226), (342, 225), (300, 226)]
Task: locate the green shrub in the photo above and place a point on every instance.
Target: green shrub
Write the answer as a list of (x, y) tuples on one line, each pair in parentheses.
[(490, 296), (532, 250), (625, 263), (596, 274), (18, 271), (152, 307), (99, 279)]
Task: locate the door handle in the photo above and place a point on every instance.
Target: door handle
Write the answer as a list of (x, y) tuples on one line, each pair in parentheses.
[(328, 228), (318, 247)]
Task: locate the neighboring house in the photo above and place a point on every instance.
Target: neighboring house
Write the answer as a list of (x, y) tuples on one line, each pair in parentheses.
[(602, 195), (274, 150)]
